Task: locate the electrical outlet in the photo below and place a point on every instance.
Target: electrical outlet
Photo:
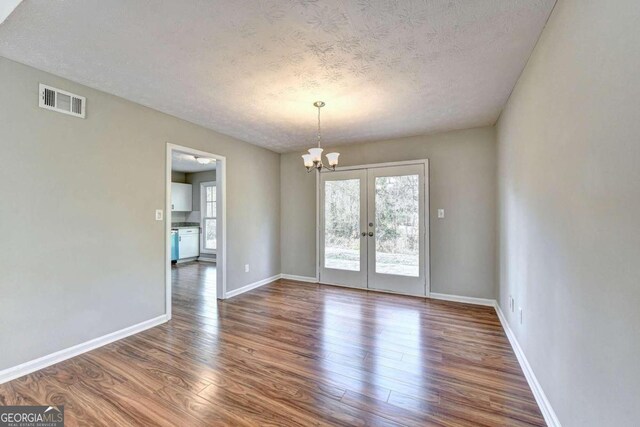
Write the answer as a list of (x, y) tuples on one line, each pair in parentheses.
[(521, 318), (158, 214), (440, 213), (246, 268)]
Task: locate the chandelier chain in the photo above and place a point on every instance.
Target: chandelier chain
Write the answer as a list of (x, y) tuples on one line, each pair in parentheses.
[(319, 131)]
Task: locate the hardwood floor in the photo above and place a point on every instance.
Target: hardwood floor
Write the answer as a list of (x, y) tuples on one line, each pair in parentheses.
[(294, 354)]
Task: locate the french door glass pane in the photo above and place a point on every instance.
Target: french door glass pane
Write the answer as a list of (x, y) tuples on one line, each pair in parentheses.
[(210, 233), (342, 224), (397, 225)]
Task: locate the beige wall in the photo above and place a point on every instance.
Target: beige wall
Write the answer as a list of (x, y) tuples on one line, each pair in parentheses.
[(569, 160), (82, 254), (462, 167)]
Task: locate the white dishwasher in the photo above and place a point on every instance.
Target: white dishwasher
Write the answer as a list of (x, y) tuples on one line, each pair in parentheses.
[(189, 242)]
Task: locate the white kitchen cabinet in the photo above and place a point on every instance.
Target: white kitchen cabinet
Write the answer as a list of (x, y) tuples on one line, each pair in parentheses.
[(181, 197), (189, 242)]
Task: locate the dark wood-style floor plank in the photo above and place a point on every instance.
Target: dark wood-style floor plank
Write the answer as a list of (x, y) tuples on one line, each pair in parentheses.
[(294, 354)]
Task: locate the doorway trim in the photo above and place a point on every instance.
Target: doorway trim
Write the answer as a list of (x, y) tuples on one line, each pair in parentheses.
[(221, 254), (427, 240)]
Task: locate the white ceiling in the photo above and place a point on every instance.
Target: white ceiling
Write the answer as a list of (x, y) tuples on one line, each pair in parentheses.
[(252, 68), (183, 162)]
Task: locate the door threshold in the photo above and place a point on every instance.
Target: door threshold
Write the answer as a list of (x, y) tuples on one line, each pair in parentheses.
[(381, 291)]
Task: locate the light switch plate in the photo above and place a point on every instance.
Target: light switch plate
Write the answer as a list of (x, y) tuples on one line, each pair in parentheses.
[(246, 268), (440, 213), (159, 214)]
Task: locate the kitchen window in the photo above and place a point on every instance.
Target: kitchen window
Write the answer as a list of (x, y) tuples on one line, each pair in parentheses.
[(209, 208)]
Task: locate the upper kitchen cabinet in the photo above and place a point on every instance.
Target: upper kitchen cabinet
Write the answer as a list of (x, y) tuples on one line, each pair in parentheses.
[(181, 197)]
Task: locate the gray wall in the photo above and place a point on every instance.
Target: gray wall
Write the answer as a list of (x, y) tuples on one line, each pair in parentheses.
[(195, 179), (462, 181), (180, 177), (82, 254), (569, 153)]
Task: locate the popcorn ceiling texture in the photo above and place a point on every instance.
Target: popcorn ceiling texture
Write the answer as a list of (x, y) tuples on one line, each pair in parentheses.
[(252, 69)]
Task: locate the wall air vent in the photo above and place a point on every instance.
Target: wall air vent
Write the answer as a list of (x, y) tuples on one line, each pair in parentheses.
[(62, 101)]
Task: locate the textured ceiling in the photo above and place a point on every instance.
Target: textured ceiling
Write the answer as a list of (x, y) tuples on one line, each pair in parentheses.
[(252, 68)]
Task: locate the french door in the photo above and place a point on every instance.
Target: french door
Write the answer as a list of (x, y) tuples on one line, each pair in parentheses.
[(343, 221), (373, 228)]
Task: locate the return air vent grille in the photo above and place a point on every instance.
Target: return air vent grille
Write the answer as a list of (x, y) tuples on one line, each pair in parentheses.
[(62, 101)]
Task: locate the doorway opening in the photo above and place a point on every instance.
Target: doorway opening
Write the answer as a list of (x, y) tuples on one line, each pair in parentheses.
[(195, 222), (373, 227)]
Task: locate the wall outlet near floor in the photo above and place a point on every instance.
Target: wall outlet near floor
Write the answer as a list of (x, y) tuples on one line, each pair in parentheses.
[(246, 268), (159, 214), (440, 213), (521, 318)]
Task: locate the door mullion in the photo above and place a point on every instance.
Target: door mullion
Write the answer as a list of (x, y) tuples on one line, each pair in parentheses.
[(367, 218)]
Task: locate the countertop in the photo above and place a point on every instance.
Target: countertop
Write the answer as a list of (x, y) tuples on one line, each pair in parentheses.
[(176, 225)]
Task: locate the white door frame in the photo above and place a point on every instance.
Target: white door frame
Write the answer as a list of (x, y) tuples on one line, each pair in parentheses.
[(204, 250), (221, 225), (427, 216)]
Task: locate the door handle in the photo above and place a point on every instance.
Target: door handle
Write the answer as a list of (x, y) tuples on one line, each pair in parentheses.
[(364, 234), (371, 234)]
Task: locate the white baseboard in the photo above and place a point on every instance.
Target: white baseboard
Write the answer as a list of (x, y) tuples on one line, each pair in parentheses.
[(251, 286), (466, 300), (299, 278), (57, 357), (541, 398)]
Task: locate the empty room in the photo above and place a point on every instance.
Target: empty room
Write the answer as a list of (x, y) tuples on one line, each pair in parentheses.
[(320, 213)]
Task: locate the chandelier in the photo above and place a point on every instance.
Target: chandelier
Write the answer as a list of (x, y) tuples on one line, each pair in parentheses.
[(313, 160)]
